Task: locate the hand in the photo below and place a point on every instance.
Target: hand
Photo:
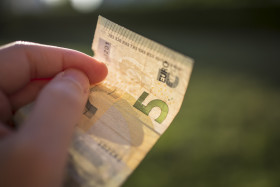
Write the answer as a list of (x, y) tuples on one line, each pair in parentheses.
[(58, 79)]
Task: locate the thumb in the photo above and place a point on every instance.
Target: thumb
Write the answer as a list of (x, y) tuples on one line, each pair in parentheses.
[(56, 111), (45, 135)]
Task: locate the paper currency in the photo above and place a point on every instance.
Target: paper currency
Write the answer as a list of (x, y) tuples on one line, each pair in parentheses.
[(128, 112)]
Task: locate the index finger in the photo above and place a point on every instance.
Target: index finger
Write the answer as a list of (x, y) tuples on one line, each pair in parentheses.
[(21, 62)]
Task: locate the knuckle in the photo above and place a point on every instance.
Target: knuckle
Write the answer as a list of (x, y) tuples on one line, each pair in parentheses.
[(29, 151), (25, 148)]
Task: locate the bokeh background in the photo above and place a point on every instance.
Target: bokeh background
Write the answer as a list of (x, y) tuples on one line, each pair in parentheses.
[(227, 132)]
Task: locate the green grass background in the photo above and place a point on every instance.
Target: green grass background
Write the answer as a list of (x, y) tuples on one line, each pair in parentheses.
[(227, 132)]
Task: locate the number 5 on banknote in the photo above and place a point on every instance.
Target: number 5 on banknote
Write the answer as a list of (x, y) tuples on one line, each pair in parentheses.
[(154, 103)]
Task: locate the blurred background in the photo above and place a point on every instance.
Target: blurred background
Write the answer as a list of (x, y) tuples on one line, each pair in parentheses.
[(227, 132)]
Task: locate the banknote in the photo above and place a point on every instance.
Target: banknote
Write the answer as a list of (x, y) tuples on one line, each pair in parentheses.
[(127, 113)]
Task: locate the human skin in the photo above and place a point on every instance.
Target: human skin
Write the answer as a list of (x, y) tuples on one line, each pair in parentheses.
[(58, 79)]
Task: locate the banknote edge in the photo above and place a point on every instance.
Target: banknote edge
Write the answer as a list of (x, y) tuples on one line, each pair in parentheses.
[(144, 41)]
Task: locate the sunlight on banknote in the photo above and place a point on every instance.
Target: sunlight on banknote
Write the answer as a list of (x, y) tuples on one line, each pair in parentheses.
[(127, 113)]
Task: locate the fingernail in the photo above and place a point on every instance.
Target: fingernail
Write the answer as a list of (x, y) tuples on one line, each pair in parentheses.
[(78, 78)]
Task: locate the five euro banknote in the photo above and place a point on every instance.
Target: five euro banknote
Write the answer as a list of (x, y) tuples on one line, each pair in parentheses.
[(127, 113)]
